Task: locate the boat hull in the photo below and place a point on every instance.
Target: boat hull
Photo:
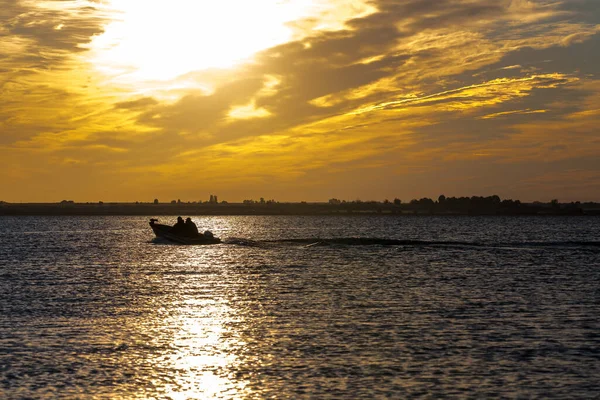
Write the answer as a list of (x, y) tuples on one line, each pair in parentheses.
[(163, 231)]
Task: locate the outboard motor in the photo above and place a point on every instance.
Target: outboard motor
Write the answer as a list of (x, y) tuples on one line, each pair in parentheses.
[(209, 235)]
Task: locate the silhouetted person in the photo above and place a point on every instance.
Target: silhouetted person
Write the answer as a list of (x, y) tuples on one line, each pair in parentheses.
[(190, 228), (179, 227)]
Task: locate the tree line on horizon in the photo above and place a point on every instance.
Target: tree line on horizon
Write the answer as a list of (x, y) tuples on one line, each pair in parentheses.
[(479, 204), (474, 204), (443, 203)]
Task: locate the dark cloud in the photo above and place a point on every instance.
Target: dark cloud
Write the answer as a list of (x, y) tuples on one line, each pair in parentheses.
[(426, 14), (582, 58), (586, 11), (45, 29), (46, 35), (139, 104)]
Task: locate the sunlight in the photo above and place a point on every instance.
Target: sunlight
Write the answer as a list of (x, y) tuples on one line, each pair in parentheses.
[(248, 111), (206, 352), (153, 41)]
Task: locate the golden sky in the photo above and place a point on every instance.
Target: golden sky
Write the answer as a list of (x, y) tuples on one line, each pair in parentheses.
[(131, 100)]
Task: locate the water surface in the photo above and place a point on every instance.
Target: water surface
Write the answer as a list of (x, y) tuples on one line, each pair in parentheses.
[(292, 307)]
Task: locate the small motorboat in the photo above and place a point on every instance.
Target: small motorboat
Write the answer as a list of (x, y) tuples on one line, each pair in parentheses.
[(165, 232)]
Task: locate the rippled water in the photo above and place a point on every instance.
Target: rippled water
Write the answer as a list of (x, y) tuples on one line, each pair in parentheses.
[(293, 307)]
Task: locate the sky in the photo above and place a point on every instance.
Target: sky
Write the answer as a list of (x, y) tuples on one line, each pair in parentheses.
[(299, 100)]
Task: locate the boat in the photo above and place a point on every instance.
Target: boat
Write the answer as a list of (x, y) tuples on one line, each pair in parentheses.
[(164, 232)]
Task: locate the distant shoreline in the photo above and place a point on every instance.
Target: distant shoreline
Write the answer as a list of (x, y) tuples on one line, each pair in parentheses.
[(308, 209)]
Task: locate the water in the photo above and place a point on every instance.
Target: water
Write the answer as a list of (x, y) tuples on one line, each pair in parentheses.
[(293, 307)]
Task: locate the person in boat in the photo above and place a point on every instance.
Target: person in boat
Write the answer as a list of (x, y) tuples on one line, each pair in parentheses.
[(179, 227), (190, 228)]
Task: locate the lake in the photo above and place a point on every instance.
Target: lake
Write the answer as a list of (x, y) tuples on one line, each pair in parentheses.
[(299, 307)]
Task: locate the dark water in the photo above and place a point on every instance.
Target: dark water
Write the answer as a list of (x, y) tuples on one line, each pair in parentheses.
[(296, 307)]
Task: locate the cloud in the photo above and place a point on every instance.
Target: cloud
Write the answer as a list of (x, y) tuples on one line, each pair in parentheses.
[(513, 112), (43, 84), (416, 87), (46, 33), (139, 104)]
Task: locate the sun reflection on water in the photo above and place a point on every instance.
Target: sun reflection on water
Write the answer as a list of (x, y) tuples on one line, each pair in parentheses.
[(204, 348), (203, 352)]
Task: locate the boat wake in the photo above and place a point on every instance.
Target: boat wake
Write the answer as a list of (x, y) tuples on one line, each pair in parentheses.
[(244, 242), (365, 241)]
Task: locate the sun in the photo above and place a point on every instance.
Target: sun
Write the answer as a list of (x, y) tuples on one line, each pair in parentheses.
[(159, 41)]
